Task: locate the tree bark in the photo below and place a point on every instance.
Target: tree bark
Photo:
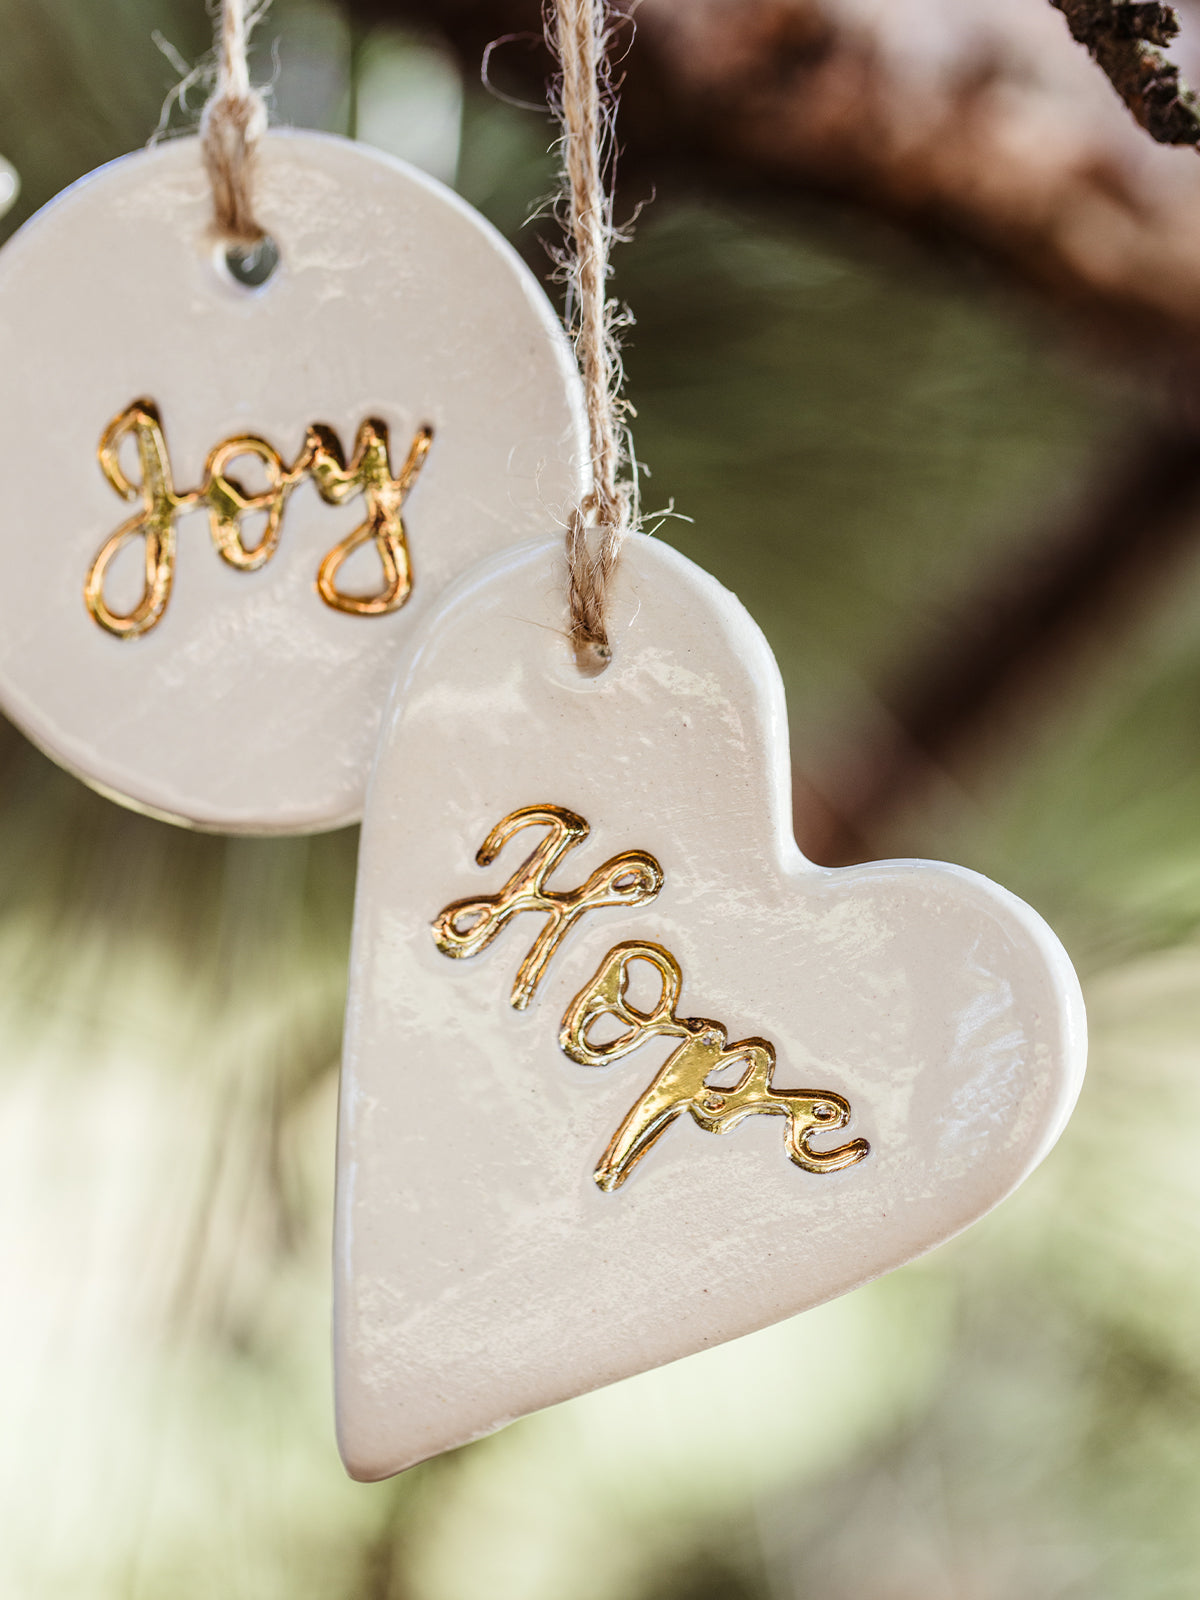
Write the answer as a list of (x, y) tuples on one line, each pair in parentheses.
[(1121, 36)]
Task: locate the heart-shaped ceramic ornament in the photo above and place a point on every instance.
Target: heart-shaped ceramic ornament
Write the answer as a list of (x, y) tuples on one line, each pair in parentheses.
[(624, 1074)]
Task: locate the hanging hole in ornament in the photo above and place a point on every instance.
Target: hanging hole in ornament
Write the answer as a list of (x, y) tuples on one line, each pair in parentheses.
[(251, 266), (582, 667), (592, 658)]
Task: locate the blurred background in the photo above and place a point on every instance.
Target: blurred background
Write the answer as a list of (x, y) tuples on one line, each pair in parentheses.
[(916, 348)]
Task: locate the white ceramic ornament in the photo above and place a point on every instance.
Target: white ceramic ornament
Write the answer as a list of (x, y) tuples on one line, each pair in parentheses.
[(608, 1091), (223, 668)]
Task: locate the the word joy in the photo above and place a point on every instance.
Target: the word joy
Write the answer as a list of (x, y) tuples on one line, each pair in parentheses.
[(368, 473), (684, 1084)]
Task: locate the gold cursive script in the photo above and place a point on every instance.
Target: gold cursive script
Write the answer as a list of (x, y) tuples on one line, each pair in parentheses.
[(466, 927), (368, 473), (681, 1084)]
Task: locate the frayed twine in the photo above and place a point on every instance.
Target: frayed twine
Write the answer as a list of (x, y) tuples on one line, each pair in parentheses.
[(232, 125), (579, 33), (592, 557)]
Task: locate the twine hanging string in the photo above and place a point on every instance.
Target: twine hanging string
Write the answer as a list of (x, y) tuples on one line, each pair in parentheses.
[(579, 33), (232, 123)]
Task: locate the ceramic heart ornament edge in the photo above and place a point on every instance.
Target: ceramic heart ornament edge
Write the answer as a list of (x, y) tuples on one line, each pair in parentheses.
[(546, 568)]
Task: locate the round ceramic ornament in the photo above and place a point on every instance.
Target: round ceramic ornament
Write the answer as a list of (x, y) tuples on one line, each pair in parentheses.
[(226, 504), (624, 1074)]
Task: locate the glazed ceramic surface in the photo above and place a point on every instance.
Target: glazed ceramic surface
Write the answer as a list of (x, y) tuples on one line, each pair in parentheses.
[(481, 1271), (251, 705)]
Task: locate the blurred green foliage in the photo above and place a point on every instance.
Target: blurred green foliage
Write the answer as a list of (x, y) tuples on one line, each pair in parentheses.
[(860, 437)]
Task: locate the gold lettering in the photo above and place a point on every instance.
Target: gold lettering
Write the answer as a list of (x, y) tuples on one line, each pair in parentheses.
[(468, 926), (228, 502), (681, 1085), (368, 474), (155, 522)]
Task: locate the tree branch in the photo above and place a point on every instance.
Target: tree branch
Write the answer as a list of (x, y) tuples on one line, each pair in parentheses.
[(1121, 36), (1015, 638)]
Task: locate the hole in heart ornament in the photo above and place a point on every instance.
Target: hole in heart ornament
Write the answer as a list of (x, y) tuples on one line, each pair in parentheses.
[(586, 943)]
